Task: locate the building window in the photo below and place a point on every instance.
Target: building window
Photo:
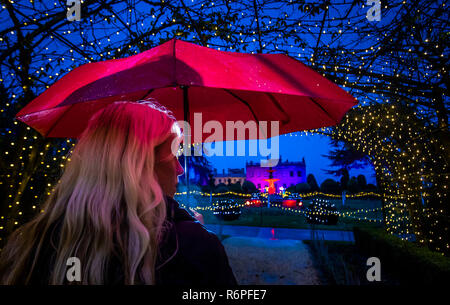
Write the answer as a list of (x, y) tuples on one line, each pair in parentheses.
[(291, 173), (299, 173)]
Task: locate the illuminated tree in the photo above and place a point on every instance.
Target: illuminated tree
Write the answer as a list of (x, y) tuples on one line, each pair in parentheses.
[(397, 68), (400, 75), (38, 45)]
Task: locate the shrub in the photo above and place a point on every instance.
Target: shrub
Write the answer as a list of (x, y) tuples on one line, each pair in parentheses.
[(311, 180), (330, 186), (362, 182), (371, 188), (303, 188), (353, 186), (235, 187), (227, 210), (249, 187), (321, 211), (291, 189), (411, 263), (221, 188)]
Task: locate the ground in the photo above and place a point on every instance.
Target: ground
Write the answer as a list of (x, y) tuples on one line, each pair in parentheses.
[(259, 261), (273, 245)]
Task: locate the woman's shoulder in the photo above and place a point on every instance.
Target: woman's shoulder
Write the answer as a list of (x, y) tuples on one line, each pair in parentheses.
[(200, 252), (190, 231)]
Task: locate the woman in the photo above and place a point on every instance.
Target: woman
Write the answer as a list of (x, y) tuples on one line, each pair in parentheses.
[(113, 210)]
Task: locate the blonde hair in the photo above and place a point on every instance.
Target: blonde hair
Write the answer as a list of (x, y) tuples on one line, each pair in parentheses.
[(108, 202)]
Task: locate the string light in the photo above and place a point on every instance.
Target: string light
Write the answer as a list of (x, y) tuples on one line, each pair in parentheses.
[(408, 156)]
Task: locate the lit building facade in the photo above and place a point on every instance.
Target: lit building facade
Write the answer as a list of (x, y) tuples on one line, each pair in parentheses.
[(232, 176), (288, 173)]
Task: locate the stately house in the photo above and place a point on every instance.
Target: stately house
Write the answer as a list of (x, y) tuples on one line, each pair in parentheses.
[(232, 176), (288, 172)]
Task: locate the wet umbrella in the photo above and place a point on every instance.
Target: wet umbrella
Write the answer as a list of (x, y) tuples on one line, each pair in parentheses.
[(188, 79)]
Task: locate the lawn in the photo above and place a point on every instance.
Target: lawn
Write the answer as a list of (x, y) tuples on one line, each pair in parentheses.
[(279, 218)]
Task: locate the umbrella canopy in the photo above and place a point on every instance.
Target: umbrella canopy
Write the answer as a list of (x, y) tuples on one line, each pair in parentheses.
[(188, 79)]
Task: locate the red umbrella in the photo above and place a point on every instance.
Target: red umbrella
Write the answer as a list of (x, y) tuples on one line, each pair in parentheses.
[(188, 78)]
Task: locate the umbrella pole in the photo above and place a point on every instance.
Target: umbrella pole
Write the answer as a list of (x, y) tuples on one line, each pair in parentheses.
[(186, 145)]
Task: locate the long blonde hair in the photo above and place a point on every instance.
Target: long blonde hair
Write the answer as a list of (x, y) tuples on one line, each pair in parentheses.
[(108, 202)]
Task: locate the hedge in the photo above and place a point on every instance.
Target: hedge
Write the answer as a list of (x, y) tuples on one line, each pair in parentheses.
[(412, 264)]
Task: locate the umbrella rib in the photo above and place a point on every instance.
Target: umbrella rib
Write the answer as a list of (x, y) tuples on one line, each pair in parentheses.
[(277, 104), (243, 101), (58, 120), (147, 94), (321, 107)]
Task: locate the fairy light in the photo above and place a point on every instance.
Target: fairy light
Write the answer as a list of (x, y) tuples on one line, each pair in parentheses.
[(400, 168)]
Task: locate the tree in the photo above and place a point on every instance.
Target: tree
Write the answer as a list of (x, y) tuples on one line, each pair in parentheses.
[(362, 183), (344, 158), (330, 186), (249, 187), (353, 186), (291, 189), (199, 165), (311, 180), (302, 188), (209, 187), (38, 45), (371, 187), (344, 179), (402, 122), (409, 160), (235, 187), (397, 68), (221, 188)]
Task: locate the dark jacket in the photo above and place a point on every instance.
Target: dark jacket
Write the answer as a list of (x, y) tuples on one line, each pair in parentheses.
[(189, 254)]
